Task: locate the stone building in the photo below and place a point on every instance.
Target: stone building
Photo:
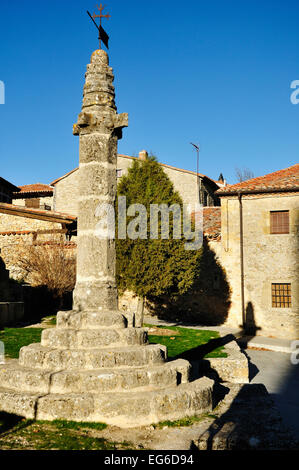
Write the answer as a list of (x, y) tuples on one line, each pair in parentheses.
[(259, 251), (20, 224), (37, 196), (186, 182)]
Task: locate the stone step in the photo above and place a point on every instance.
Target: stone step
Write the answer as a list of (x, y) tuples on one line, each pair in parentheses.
[(40, 357), (18, 402), (90, 319), (87, 339), (15, 377), (127, 409)]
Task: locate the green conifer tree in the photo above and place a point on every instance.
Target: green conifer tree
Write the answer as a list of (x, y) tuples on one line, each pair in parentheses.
[(153, 267)]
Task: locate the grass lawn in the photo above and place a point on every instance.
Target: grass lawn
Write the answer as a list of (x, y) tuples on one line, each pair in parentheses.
[(187, 339), (15, 338), (18, 433)]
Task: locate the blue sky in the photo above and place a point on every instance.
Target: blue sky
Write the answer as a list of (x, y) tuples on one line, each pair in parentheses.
[(213, 72)]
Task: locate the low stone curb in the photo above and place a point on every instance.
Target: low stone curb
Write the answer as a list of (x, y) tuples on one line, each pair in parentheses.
[(233, 368), (269, 344)]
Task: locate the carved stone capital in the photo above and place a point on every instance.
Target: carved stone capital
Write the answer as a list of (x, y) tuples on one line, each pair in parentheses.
[(93, 122)]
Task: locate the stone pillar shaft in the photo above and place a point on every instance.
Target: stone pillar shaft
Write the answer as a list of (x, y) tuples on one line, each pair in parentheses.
[(99, 127)]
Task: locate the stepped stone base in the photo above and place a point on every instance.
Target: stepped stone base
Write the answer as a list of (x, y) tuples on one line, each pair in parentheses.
[(91, 367)]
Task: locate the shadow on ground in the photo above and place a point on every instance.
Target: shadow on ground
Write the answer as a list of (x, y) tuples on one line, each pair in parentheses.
[(9, 421), (250, 422)]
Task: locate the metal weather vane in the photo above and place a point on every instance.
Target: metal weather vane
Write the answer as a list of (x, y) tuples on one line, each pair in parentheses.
[(103, 36)]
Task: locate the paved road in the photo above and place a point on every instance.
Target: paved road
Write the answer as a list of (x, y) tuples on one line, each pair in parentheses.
[(281, 378)]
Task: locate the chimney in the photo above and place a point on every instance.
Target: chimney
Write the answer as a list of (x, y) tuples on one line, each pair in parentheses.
[(143, 155)]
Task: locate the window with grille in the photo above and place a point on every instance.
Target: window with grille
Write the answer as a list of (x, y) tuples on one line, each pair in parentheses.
[(281, 295), (279, 222)]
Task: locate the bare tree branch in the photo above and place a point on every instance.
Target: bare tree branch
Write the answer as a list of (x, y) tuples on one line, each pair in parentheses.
[(243, 174), (51, 264)]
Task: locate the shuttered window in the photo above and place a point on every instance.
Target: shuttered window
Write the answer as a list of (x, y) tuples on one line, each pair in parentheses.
[(279, 222), (32, 202)]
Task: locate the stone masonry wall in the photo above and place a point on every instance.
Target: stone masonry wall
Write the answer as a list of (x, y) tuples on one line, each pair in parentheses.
[(46, 200), (16, 223), (15, 230), (183, 182), (66, 194), (268, 258)]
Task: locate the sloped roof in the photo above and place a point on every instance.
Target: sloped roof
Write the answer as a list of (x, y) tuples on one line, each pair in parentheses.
[(35, 188), (63, 176), (282, 180), (8, 185), (50, 216), (211, 222)]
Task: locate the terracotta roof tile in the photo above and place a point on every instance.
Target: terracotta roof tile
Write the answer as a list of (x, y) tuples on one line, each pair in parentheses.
[(211, 222), (35, 188), (18, 232), (285, 179)]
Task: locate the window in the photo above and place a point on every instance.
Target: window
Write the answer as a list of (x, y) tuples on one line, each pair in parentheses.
[(32, 203), (119, 172), (281, 295), (279, 222)]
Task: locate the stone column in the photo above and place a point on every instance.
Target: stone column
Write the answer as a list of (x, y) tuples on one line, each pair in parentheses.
[(99, 127), (93, 366)]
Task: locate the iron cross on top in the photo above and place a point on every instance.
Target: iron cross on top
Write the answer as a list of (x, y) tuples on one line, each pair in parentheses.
[(103, 36)]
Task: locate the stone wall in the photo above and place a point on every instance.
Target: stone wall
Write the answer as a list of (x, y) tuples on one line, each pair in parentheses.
[(66, 194), (183, 181), (15, 230), (11, 304), (268, 258), (43, 201)]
